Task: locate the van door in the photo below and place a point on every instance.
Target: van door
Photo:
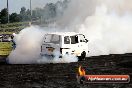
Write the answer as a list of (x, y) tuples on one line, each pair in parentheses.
[(50, 44), (83, 43), (69, 45), (75, 45)]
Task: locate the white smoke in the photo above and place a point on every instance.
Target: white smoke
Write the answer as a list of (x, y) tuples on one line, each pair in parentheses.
[(108, 33), (106, 23), (28, 47), (67, 58)]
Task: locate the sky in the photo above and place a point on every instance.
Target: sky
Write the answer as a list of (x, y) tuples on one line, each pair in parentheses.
[(15, 5)]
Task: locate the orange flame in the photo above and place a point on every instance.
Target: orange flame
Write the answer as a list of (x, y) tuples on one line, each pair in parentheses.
[(81, 71)]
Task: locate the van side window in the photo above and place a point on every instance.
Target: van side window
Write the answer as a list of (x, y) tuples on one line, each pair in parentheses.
[(66, 40), (74, 39)]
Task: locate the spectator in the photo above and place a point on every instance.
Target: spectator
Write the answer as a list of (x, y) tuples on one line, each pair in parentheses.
[(13, 42), (1, 37)]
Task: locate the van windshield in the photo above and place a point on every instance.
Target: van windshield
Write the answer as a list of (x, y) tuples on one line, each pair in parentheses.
[(52, 39), (70, 39)]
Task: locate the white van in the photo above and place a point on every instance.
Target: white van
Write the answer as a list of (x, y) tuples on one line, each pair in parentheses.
[(65, 43)]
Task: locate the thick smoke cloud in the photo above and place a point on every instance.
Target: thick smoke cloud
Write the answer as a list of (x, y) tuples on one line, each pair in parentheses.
[(108, 33), (79, 10), (76, 12), (106, 23), (28, 48)]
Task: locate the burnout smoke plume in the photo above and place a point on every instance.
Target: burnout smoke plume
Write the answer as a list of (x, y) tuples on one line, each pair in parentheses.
[(28, 48), (108, 33), (107, 25)]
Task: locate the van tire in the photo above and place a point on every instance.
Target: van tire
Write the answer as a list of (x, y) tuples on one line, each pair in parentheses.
[(82, 57)]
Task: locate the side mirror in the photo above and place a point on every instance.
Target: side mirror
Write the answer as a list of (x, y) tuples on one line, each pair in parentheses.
[(86, 40), (81, 41)]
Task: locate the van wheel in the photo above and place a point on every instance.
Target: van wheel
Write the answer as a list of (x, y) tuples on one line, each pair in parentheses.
[(82, 57)]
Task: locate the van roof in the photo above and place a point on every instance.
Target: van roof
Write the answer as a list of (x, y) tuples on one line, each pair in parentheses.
[(64, 33)]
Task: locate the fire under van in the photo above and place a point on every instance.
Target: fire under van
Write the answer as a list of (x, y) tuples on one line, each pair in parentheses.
[(65, 43)]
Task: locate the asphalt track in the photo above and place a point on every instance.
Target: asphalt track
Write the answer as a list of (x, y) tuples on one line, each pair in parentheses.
[(64, 75)]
